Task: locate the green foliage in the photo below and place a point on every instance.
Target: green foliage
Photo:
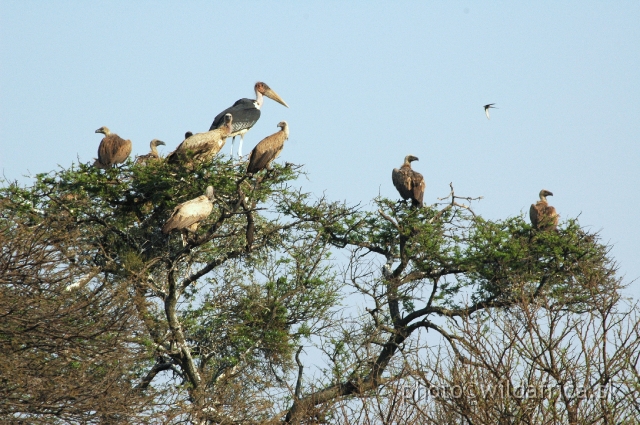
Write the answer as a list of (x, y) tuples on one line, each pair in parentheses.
[(233, 301), (508, 258), (225, 308), (495, 260)]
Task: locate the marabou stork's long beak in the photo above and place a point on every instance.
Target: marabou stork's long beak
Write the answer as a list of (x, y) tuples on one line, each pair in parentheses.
[(273, 95)]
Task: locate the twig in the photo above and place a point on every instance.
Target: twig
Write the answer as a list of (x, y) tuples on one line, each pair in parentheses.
[(389, 219), (453, 203)]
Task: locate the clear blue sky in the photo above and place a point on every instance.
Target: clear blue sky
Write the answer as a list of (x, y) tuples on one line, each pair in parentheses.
[(367, 83)]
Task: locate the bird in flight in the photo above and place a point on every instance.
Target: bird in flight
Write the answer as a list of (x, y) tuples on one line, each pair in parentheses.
[(486, 109)]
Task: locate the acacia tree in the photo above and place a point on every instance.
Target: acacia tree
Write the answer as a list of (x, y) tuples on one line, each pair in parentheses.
[(66, 356), (210, 327), (537, 363), (218, 317), (507, 307)]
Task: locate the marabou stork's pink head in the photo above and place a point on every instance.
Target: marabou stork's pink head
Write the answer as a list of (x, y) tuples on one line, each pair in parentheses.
[(265, 90)]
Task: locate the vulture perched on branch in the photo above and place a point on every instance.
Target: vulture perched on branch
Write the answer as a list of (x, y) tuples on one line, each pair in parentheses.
[(142, 159), (268, 149), (246, 113), (543, 216), (202, 147), (188, 215), (410, 184), (113, 149)]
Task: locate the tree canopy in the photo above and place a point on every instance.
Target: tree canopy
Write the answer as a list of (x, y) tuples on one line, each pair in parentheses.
[(283, 307)]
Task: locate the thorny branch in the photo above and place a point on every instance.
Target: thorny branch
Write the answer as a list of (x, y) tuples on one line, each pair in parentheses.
[(453, 203)]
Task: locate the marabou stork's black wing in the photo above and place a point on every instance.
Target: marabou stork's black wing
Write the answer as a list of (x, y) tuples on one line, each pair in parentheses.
[(244, 112)]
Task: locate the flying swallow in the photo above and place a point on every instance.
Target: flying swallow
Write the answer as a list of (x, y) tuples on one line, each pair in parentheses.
[(486, 109)]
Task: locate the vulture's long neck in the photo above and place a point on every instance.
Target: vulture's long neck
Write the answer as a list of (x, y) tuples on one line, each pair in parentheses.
[(154, 150)]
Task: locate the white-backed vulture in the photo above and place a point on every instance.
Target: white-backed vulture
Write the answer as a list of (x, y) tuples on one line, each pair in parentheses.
[(153, 154), (543, 216), (188, 215), (202, 147), (486, 109), (113, 149), (268, 149), (410, 184)]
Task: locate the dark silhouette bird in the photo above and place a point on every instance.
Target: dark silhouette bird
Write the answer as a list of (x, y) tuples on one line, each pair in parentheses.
[(113, 149), (486, 109), (188, 215), (268, 149), (410, 184), (188, 134), (153, 154), (202, 147), (543, 216), (246, 113)]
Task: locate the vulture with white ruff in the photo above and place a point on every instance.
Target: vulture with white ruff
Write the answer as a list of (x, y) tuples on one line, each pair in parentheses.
[(410, 184), (113, 149), (268, 149), (188, 215), (153, 154), (202, 147), (543, 216)]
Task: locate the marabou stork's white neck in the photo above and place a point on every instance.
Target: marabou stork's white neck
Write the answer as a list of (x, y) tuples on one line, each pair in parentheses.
[(259, 100)]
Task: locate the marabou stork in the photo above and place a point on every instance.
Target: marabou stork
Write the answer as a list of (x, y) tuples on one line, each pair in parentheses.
[(268, 149), (410, 184), (202, 147), (543, 216), (153, 154), (486, 109), (246, 113), (113, 149)]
